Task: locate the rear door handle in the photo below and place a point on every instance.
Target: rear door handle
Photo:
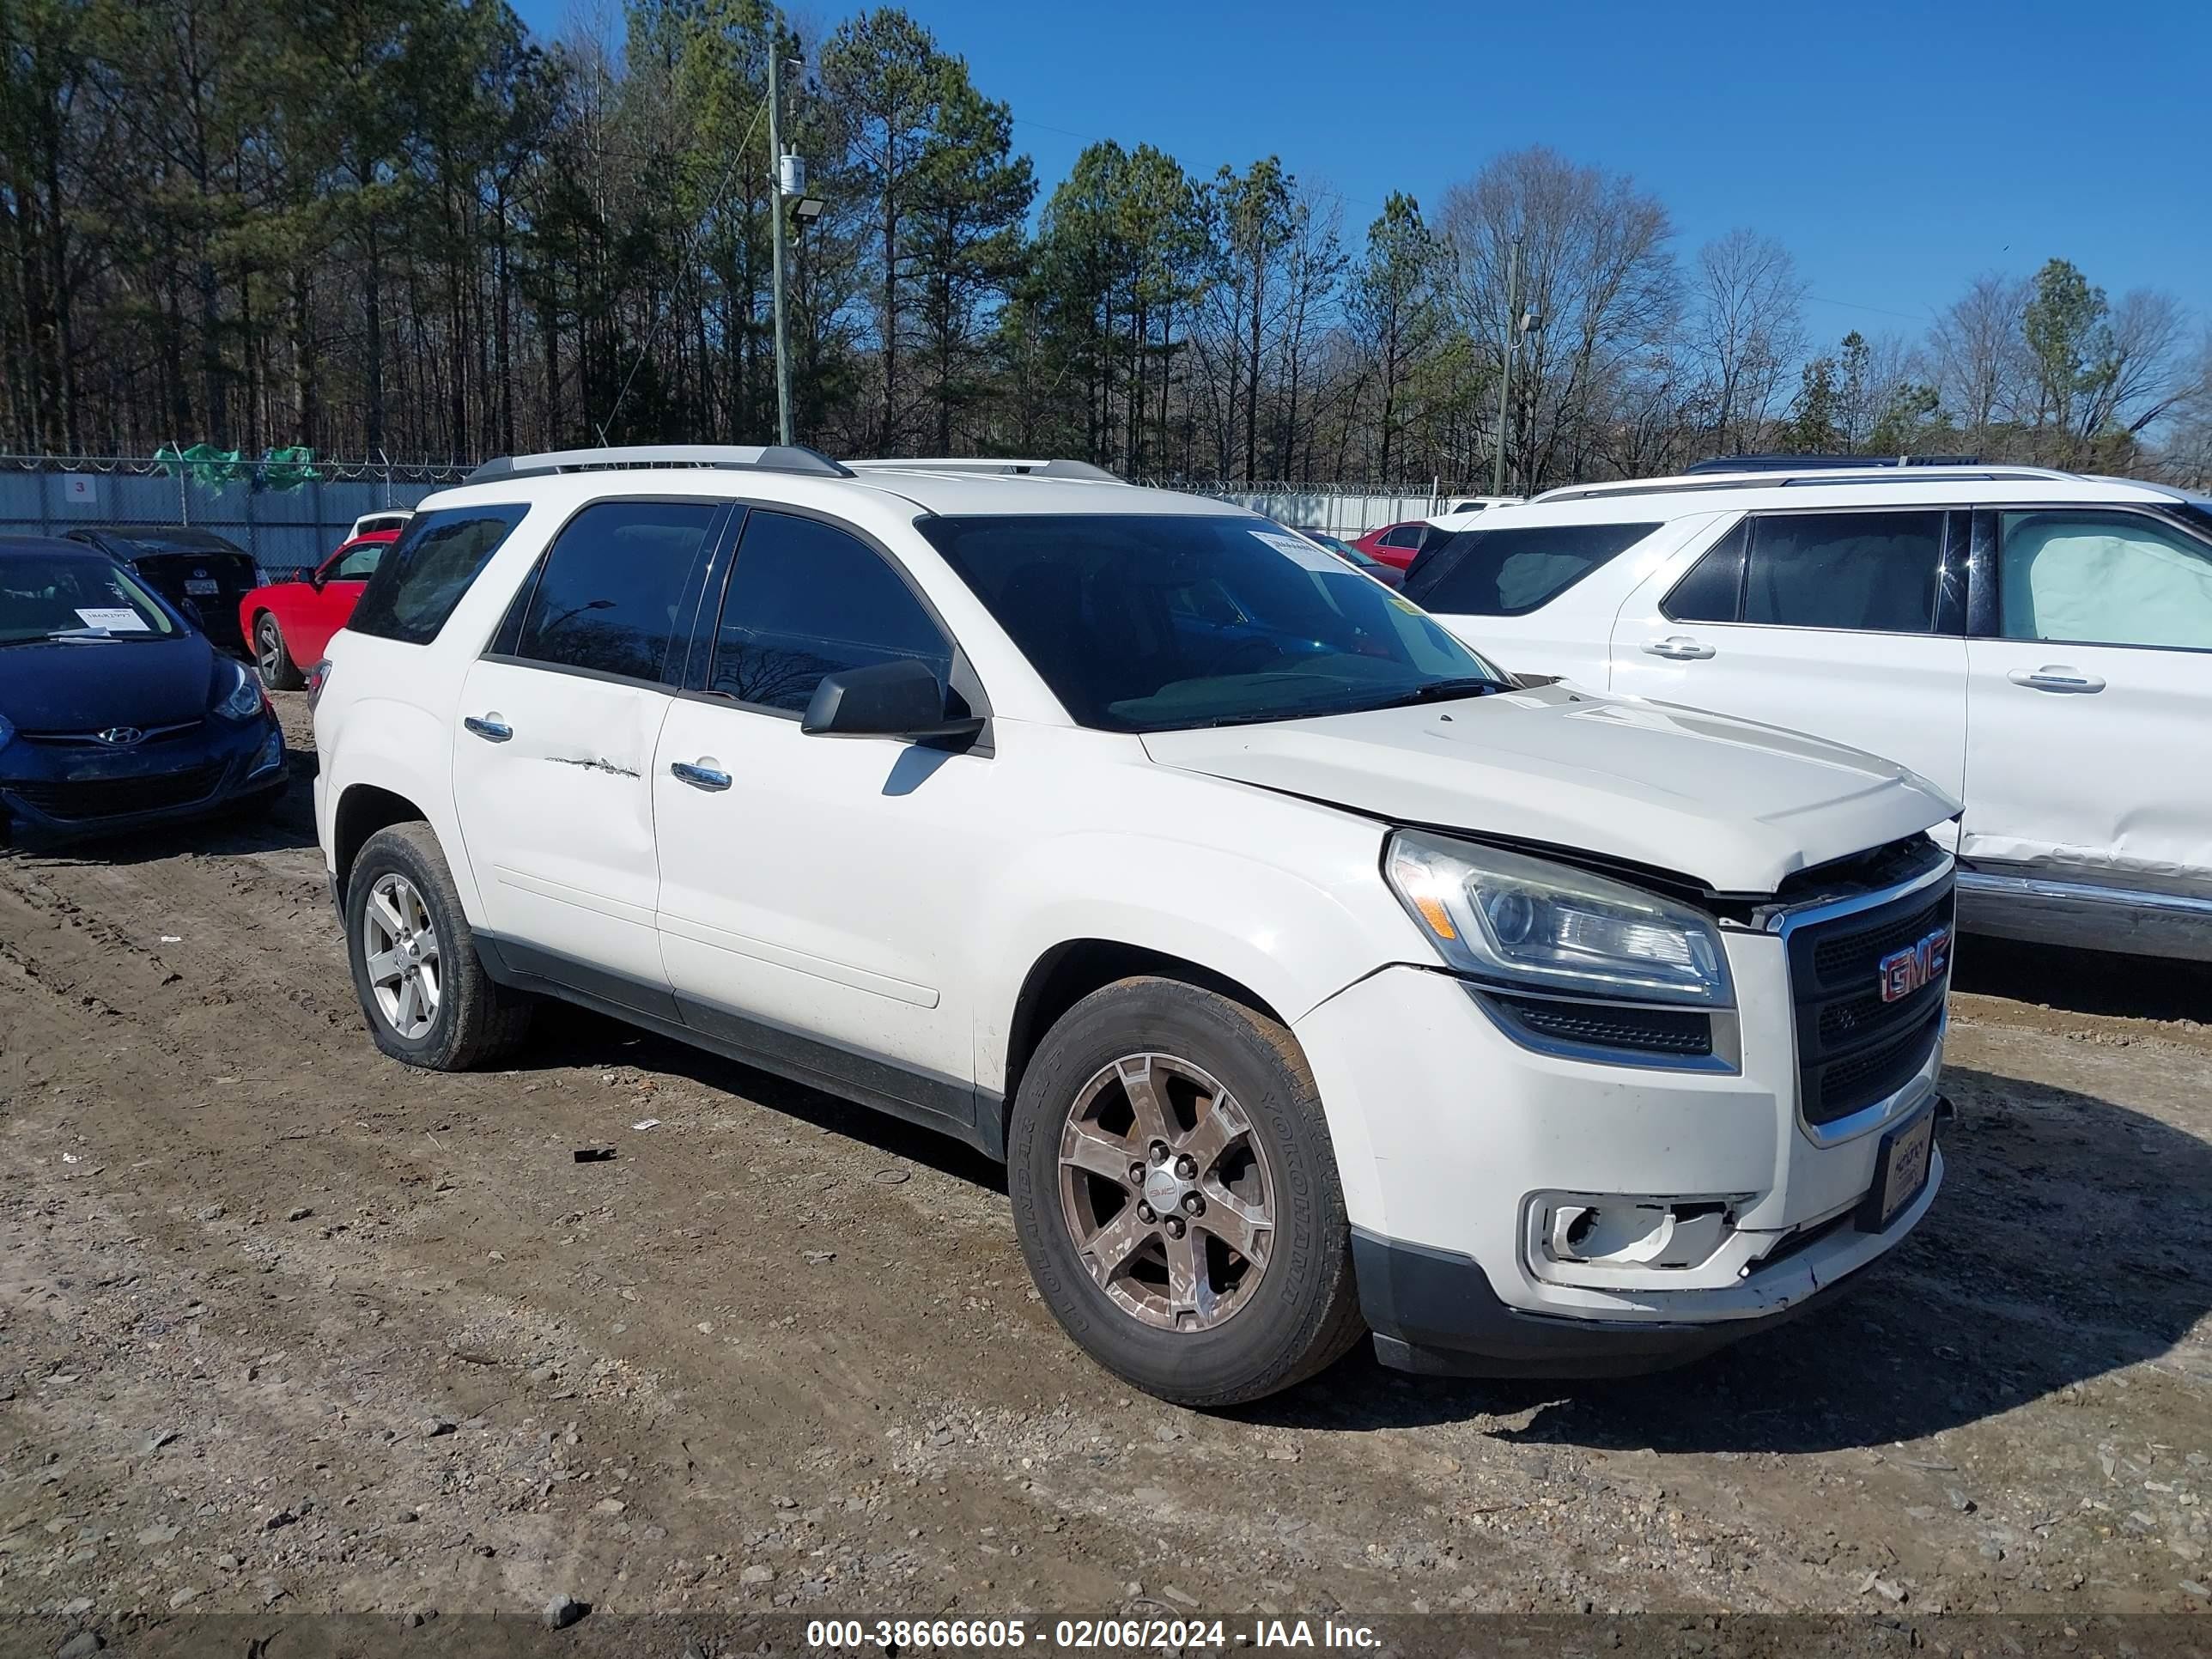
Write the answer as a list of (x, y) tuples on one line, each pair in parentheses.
[(2056, 676), (1679, 647), (699, 777), (489, 727)]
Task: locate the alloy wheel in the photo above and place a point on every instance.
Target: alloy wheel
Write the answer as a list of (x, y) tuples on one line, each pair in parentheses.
[(269, 648), (1167, 1192), (400, 943)]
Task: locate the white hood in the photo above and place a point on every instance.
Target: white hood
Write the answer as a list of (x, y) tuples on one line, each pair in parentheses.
[(1736, 806)]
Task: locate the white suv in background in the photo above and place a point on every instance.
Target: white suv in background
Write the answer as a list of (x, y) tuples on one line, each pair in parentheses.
[(1307, 977), (2037, 643)]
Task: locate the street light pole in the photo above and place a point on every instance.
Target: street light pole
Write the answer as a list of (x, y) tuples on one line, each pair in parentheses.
[(775, 231), (1505, 374)]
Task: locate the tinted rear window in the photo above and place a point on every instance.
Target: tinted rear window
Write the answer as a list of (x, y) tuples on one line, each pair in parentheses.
[(419, 581), (1511, 572)]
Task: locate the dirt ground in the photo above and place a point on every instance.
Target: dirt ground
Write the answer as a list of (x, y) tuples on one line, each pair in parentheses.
[(285, 1325)]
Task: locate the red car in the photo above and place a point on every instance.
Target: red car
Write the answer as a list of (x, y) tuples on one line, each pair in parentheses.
[(289, 623), (1394, 544)]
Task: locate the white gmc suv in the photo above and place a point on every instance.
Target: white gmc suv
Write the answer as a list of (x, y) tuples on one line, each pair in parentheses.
[(1308, 976), (2037, 643)]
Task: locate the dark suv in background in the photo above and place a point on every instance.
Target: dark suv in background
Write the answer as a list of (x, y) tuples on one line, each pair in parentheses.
[(197, 571)]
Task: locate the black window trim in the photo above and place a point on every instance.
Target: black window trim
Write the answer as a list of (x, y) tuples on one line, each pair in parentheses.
[(506, 639), (1954, 594), (1986, 606), (961, 677)]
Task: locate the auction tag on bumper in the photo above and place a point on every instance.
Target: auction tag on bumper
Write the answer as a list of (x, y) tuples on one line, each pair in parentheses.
[(118, 619)]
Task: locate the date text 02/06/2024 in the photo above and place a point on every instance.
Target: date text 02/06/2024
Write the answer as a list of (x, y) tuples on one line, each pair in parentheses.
[(1078, 1635)]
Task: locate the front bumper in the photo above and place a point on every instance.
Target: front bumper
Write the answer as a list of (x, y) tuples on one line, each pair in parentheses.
[(1436, 1312), (56, 791), (1455, 1142)]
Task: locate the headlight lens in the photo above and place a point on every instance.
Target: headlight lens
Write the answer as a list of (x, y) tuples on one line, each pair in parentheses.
[(7, 731), (237, 694), (1502, 917)]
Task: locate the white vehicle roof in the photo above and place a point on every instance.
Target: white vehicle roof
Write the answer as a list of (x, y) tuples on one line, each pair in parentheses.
[(948, 488), (1665, 499)]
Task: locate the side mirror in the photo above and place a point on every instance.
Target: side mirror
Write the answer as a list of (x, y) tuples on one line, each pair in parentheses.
[(896, 699)]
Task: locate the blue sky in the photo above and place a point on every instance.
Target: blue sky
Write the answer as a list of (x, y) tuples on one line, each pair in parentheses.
[(1897, 149)]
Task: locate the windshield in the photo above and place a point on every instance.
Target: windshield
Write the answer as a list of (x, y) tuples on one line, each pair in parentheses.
[(75, 596), (1146, 622)]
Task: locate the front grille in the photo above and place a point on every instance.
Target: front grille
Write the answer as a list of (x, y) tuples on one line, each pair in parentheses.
[(1854, 1048), (153, 734), (114, 798), (1837, 961), (1601, 1025)]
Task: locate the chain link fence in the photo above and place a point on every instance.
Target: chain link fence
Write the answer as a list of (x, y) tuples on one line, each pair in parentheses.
[(288, 516), (1348, 511)]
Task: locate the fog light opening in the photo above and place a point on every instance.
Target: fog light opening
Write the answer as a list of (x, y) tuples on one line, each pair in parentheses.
[(1638, 1233)]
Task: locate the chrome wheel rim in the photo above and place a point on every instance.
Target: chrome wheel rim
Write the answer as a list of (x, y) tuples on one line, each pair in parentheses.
[(1167, 1192), (399, 943), (271, 655)]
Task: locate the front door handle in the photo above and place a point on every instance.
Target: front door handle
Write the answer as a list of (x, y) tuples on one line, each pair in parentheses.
[(1679, 647), (489, 727), (2056, 676), (699, 777)]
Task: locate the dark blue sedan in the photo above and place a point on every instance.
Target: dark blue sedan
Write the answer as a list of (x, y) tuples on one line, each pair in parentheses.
[(115, 712)]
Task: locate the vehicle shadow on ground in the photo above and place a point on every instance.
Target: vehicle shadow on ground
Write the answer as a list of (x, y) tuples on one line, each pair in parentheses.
[(2064, 1245), (577, 1037), (289, 825)]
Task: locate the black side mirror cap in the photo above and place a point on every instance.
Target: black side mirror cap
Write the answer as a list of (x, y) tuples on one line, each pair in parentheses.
[(901, 698)]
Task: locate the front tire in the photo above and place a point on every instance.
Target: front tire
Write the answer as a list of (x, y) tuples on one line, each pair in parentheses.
[(1176, 1196), (273, 658), (423, 990)]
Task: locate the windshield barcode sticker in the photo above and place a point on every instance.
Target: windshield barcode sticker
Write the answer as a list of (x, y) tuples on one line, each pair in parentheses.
[(115, 619)]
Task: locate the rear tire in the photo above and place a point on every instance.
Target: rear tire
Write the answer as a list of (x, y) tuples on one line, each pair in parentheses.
[(423, 990), (1233, 1149), (273, 658)]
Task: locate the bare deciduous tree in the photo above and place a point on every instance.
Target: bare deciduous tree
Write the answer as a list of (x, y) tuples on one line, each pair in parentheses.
[(1594, 267), (1748, 331)]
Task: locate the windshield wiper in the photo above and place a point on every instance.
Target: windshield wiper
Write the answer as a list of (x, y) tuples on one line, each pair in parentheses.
[(1466, 685)]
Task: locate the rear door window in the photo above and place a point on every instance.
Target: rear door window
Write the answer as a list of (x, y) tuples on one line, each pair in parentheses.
[(1877, 573), (423, 575), (1511, 572), (611, 586), (1406, 535)]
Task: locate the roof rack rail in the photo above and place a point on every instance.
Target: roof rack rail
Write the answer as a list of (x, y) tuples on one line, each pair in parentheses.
[(984, 463), (1817, 477), (1814, 463), (771, 458)]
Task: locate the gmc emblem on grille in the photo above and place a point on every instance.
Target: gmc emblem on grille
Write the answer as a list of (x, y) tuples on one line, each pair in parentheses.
[(1903, 972)]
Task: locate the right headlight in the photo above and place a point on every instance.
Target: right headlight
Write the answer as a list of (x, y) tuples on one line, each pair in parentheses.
[(1523, 923)]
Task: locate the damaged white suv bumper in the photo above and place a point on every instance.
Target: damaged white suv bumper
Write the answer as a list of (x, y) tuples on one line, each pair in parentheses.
[(1554, 1185)]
